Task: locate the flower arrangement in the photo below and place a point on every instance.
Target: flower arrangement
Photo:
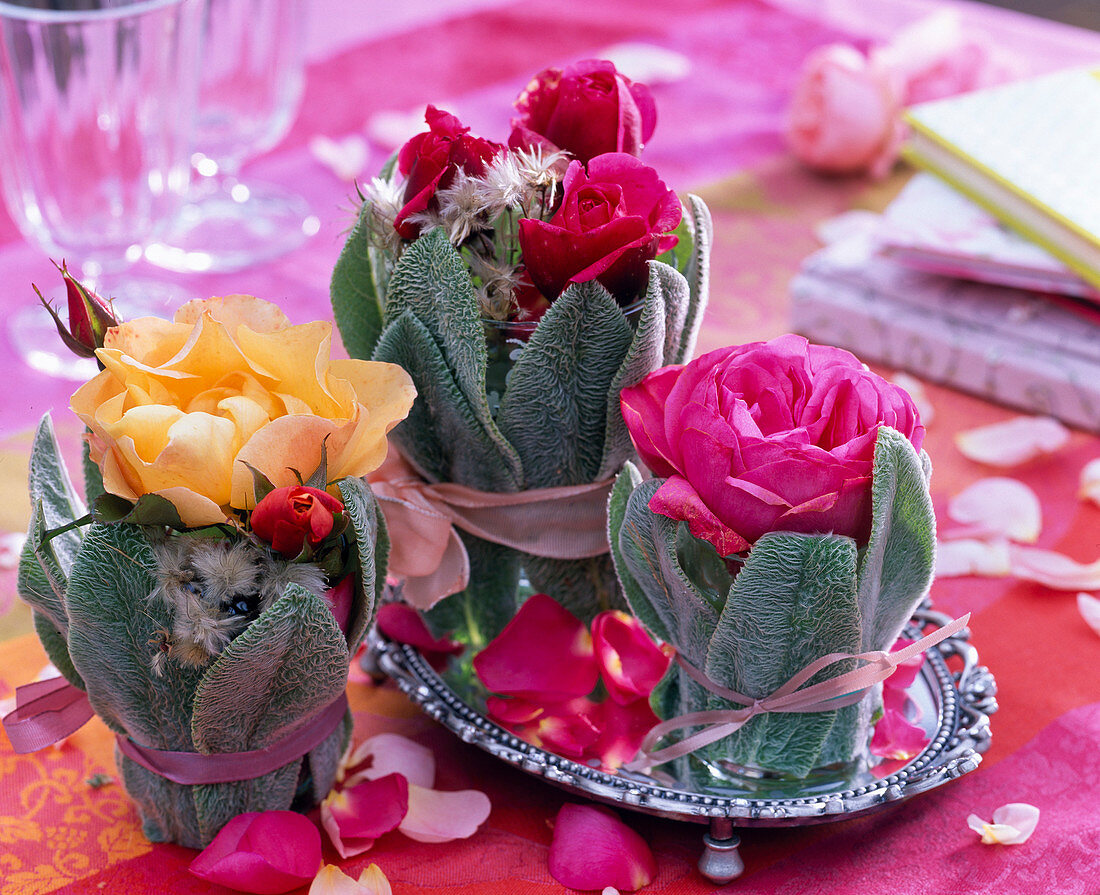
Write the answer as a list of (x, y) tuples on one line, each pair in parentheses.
[(522, 286), (230, 563), (789, 519)]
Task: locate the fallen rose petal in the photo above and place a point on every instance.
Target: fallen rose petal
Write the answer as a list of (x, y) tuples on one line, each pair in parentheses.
[(915, 389), (1090, 482), (1052, 569), (266, 852), (333, 881), (622, 729), (390, 753), (355, 816), (998, 506), (436, 816), (896, 738), (544, 654), (400, 622), (631, 663), (1089, 607), (346, 158), (1012, 824), (1013, 441), (967, 556), (592, 849)]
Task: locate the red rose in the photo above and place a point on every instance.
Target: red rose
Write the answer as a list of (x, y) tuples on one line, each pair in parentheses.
[(289, 517), (770, 436), (430, 160), (586, 109), (613, 219)]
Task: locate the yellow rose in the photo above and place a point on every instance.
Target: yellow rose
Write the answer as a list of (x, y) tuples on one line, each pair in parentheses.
[(184, 405)]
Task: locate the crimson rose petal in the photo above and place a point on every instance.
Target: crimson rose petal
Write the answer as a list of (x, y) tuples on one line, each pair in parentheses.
[(593, 849)]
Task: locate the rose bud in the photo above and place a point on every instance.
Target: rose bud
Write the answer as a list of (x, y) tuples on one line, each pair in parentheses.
[(586, 109), (429, 162), (614, 218), (89, 316), (290, 517)]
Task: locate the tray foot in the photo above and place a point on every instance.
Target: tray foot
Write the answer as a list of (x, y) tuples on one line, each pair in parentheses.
[(720, 861)]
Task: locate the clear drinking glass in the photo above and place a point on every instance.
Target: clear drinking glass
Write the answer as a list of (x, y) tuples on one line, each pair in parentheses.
[(97, 105), (252, 83)]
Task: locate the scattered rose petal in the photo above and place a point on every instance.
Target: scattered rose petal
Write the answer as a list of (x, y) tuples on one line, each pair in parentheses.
[(895, 738), (544, 654), (1055, 570), (648, 63), (1012, 824), (632, 664), (391, 129), (1090, 482), (346, 158), (11, 545), (998, 506), (967, 556), (622, 729), (569, 729), (1013, 441), (610, 890), (390, 753), (331, 880), (355, 816), (266, 852), (400, 622), (917, 392), (436, 816), (593, 849), (1089, 607)]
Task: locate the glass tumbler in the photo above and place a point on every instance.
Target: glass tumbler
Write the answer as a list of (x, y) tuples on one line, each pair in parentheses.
[(253, 79), (97, 105)]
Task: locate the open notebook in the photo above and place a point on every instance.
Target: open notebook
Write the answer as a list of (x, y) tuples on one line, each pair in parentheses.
[(1029, 152)]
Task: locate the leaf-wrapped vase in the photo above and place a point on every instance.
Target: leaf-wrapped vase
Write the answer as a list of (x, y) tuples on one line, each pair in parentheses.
[(795, 598), (90, 591), (556, 422)]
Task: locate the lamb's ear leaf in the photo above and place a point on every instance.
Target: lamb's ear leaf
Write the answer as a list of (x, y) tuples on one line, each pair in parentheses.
[(697, 274), (372, 551), (42, 580), (356, 300), (443, 436), (555, 408), (49, 482)]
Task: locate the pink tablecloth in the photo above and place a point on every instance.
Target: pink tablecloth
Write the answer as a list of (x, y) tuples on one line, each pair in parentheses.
[(718, 134)]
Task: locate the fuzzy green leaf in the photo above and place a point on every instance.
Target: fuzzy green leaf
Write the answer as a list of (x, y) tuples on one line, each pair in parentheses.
[(793, 601), (57, 649), (93, 478), (442, 435), (371, 548), (111, 625), (556, 406), (49, 482), (42, 581), (149, 509), (356, 301), (698, 278), (625, 483), (896, 569)]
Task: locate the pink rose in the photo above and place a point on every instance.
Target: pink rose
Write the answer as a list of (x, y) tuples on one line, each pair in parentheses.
[(429, 161), (845, 115), (613, 219), (287, 518), (586, 109), (770, 436)]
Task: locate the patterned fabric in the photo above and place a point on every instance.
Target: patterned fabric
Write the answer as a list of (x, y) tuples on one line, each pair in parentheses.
[(718, 134)]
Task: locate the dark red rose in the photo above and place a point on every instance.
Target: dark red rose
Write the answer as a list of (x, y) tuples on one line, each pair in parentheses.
[(288, 518), (613, 219), (586, 109), (430, 160)]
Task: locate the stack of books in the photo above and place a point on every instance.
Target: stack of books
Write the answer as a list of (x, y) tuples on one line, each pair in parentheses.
[(983, 274)]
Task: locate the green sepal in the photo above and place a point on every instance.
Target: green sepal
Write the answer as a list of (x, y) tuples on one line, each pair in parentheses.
[(149, 509), (554, 411), (356, 298), (896, 569), (793, 601), (261, 484), (371, 552), (442, 435), (319, 477)]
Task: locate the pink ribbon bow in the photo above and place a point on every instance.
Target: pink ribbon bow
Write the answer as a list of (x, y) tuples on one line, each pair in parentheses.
[(835, 693), (568, 522)]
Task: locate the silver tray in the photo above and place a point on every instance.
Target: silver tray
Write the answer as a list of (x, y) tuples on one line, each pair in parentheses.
[(955, 707)]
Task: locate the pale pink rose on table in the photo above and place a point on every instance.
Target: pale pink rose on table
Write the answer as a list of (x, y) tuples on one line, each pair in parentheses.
[(844, 116), (769, 436)]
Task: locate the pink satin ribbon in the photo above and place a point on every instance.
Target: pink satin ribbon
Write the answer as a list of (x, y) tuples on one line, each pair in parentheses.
[(568, 522), (835, 693), (48, 711)]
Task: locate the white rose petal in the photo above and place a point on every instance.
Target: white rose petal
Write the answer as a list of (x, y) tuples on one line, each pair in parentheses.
[(968, 556), (1089, 607), (1055, 570), (1012, 824), (346, 158), (916, 391), (1012, 442), (1090, 482), (999, 506)]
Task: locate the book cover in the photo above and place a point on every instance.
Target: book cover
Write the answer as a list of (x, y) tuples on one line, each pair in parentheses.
[(1029, 152)]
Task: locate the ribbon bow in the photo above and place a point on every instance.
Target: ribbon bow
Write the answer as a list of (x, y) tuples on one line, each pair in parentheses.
[(835, 693), (567, 522)]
